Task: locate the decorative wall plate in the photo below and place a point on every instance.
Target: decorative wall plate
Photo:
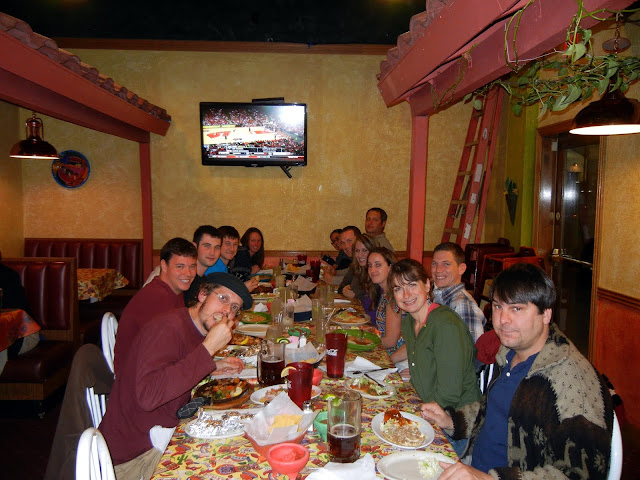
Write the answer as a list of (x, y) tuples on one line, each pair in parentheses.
[(71, 170)]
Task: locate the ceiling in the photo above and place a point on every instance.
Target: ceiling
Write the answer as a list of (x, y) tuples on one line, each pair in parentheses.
[(296, 21)]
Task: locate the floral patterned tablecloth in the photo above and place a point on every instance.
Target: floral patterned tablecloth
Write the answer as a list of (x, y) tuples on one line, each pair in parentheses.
[(235, 458), (97, 283)]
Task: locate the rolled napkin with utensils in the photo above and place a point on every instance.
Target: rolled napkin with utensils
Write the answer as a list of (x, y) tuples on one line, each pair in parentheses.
[(361, 366)]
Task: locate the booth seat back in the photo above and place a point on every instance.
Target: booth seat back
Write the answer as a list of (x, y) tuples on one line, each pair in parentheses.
[(51, 289), (124, 255)]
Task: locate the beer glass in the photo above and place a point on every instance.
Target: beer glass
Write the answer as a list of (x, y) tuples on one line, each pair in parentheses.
[(343, 425), (270, 363)]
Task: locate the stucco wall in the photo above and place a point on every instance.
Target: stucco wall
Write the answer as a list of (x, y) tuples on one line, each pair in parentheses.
[(10, 182), (358, 154)]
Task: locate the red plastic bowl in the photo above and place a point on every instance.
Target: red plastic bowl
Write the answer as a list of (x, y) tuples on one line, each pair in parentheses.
[(288, 458)]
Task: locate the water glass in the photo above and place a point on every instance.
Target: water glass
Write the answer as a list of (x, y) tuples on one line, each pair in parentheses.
[(288, 312), (276, 309), (343, 425), (279, 281)]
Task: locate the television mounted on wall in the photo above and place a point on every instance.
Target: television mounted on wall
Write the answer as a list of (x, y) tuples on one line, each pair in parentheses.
[(253, 134)]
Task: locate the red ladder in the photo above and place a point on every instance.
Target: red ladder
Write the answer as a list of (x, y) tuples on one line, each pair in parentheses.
[(469, 198)]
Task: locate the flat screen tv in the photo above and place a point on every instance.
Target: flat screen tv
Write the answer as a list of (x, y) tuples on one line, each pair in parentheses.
[(253, 134)]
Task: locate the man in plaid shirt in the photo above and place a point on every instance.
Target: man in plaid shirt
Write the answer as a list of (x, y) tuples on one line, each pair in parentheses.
[(447, 268)]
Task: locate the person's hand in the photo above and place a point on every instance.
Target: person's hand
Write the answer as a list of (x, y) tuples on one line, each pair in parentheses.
[(460, 471), (252, 284), (255, 268), (348, 292), (328, 275), (219, 335), (435, 413), (229, 365)]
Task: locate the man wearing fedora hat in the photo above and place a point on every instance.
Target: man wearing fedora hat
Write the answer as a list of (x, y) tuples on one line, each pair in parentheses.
[(169, 356)]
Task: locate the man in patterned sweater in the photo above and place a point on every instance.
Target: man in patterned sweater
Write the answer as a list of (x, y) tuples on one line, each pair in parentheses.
[(548, 413)]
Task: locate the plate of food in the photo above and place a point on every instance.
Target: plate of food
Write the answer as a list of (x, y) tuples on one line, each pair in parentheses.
[(370, 389), (412, 465), (255, 317), (240, 351), (252, 330), (266, 394), (402, 429), (360, 340), (348, 319), (212, 425), (241, 339), (224, 390), (264, 296)]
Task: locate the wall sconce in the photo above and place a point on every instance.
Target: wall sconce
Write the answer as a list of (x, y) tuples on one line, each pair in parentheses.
[(34, 146)]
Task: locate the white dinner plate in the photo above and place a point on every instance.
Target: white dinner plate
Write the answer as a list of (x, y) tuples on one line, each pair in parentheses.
[(258, 394), (404, 465), (341, 300), (255, 330), (390, 391), (423, 425)]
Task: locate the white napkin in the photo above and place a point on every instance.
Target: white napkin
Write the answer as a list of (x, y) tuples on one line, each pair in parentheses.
[(304, 284), (260, 307), (362, 469), (268, 271), (303, 304), (365, 366)]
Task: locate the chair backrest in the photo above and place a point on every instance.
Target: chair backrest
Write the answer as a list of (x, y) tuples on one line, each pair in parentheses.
[(97, 404), (615, 468), (109, 329), (93, 460)]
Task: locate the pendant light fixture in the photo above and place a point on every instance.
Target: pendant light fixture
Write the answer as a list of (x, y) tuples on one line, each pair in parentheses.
[(34, 146), (613, 114)]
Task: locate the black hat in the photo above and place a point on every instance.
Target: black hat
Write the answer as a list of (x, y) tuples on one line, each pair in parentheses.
[(234, 284)]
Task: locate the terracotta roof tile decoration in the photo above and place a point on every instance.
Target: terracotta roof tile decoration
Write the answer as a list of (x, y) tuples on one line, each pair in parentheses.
[(48, 47)]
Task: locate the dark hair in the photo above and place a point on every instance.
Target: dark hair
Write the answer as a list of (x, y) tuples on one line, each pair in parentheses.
[(383, 214), (360, 273), (405, 271), (454, 248), (353, 228), (205, 230), (337, 230), (390, 258), (227, 231), (258, 257), (178, 246), (524, 283)]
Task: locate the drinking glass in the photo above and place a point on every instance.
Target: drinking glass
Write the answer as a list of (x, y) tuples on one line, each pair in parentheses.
[(280, 281), (293, 292), (343, 425), (300, 382), (288, 312), (336, 351), (276, 309), (270, 363)]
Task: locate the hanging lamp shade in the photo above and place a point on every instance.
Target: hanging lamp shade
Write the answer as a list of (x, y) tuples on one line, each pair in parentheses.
[(613, 114), (34, 146)]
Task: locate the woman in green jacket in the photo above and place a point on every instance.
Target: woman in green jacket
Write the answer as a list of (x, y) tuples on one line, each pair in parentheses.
[(440, 350)]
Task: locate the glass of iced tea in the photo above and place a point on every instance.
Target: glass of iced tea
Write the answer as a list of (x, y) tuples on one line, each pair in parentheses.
[(343, 425), (270, 363)]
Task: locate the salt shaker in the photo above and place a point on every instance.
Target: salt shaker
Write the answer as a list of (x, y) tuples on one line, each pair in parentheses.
[(307, 407)]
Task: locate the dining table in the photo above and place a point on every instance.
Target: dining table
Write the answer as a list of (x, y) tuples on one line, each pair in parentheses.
[(95, 284), (15, 324), (187, 457)]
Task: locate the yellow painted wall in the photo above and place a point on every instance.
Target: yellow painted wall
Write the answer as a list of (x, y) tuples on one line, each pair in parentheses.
[(11, 230), (358, 154)]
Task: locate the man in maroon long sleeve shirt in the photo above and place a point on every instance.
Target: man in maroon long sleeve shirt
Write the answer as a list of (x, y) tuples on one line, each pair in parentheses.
[(168, 357), (164, 293)]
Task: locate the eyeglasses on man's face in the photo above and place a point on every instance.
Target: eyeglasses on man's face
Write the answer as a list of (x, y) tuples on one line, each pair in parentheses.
[(226, 300)]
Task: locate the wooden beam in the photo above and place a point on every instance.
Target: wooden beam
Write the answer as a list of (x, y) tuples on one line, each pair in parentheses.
[(542, 27), (417, 187), (57, 85), (454, 27), (147, 210)]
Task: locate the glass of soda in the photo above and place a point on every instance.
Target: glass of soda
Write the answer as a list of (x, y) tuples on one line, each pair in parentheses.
[(343, 425)]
